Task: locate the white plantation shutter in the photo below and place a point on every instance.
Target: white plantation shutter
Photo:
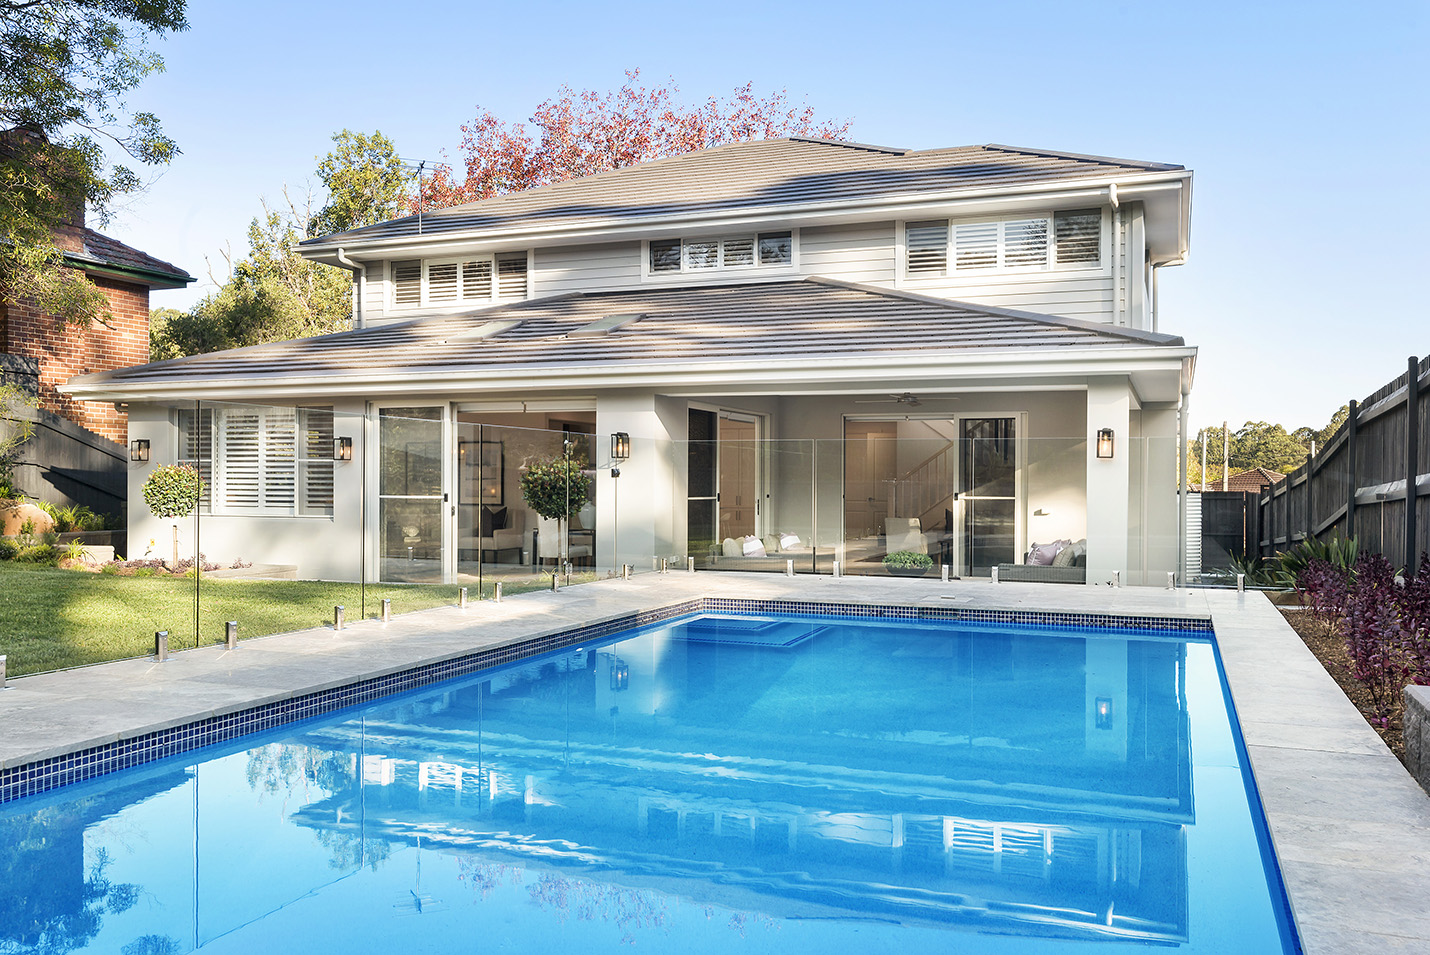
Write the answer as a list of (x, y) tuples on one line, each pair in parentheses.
[(1025, 242), (511, 275), (738, 251), (316, 464), (196, 448), (280, 458), (1078, 237), (975, 245), (927, 247), (476, 281), (442, 283), (702, 255), (407, 282), (240, 459)]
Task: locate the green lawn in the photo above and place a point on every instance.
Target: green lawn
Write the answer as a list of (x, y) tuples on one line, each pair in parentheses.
[(52, 618)]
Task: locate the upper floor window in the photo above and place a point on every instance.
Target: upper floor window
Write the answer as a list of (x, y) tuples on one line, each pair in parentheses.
[(260, 460), (1070, 239), (726, 252), (467, 280)]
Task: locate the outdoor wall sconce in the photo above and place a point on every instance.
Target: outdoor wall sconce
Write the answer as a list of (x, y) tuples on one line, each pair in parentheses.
[(620, 451), (1102, 712), (139, 449), (620, 675), (1104, 443), (342, 449)]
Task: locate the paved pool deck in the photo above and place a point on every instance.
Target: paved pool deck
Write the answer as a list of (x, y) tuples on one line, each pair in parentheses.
[(1351, 828)]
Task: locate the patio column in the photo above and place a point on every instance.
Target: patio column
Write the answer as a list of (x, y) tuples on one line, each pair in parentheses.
[(643, 511), (1109, 405)]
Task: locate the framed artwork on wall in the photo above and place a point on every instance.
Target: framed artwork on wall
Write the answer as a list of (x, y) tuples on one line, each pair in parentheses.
[(483, 468)]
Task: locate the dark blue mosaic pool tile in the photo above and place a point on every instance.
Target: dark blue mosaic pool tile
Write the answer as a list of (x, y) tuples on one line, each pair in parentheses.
[(48, 774)]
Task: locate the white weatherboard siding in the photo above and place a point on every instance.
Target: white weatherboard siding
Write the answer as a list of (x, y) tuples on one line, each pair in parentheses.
[(586, 268), (863, 253), (375, 287)]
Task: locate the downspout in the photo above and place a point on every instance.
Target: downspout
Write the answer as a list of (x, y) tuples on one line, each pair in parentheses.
[(1182, 416), (360, 273), (1117, 264), (1155, 267)]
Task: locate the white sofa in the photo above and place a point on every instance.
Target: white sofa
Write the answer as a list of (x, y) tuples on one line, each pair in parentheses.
[(508, 537)]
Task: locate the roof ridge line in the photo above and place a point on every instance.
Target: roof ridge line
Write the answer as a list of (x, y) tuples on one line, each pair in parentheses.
[(1136, 334), (1086, 157)]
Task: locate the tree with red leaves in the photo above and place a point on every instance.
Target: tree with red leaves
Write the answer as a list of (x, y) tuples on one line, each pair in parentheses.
[(578, 134)]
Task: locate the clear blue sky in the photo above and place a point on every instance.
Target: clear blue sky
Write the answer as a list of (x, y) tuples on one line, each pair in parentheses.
[(1304, 122)]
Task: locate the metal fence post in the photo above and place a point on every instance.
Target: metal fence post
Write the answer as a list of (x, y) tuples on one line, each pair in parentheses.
[(338, 617), (161, 645), (230, 635), (2, 672), (1352, 469), (1412, 462)]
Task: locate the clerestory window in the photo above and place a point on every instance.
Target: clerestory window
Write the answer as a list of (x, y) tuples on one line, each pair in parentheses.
[(762, 249), (469, 280), (1060, 240)]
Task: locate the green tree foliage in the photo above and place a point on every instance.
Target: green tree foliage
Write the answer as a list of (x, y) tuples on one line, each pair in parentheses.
[(1257, 444), (173, 490), (272, 295), (65, 67), (365, 180)]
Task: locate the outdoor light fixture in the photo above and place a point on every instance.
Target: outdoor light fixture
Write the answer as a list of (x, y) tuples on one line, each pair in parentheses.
[(342, 449), (1103, 712), (620, 675), (1104, 443), (620, 451), (139, 449)]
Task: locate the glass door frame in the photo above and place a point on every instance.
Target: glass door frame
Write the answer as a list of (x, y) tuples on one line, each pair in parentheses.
[(762, 463), (1020, 483), (372, 479)]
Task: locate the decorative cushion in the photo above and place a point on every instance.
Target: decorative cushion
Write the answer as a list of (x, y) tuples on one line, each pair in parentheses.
[(789, 541), (772, 544), (1064, 557), (1080, 548), (754, 547), (731, 548), (493, 519), (1043, 554)]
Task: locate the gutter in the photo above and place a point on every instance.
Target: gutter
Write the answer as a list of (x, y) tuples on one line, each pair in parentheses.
[(148, 277), (360, 293)]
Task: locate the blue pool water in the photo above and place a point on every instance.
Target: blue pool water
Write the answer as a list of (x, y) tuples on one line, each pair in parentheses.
[(713, 784)]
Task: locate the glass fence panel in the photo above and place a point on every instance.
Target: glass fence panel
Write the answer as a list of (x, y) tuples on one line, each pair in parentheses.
[(749, 505)]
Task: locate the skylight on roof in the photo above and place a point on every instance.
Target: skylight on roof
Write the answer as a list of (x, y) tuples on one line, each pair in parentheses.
[(605, 325)]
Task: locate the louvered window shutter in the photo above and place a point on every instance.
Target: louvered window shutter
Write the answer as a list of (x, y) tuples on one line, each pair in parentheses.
[(316, 469), (476, 281), (702, 254), (927, 245), (665, 255), (1025, 242), (407, 282), (280, 459), (975, 245), (442, 283), (241, 459), (1078, 236), (511, 276), (196, 449), (738, 251)]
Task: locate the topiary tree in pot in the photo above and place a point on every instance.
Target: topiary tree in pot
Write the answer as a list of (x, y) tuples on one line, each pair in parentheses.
[(173, 490), (556, 489)]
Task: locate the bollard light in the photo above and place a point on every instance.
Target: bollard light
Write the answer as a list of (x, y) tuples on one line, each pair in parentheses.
[(338, 617), (230, 635), (386, 609), (496, 592), (161, 645), (462, 597)]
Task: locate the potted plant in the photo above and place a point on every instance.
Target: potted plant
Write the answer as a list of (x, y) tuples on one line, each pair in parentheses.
[(556, 489), (907, 563), (173, 490)]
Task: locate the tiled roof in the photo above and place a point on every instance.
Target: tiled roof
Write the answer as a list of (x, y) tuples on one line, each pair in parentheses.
[(103, 250), (1252, 480), (803, 319), (751, 175)]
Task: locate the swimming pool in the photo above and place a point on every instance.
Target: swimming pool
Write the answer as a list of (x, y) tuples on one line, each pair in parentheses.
[(709, 784)]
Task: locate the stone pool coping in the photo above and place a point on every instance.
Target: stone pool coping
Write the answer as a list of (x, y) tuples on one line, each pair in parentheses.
[(1350, 827)]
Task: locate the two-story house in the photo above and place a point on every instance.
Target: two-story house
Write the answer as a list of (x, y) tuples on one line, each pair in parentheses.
[(811, 351)]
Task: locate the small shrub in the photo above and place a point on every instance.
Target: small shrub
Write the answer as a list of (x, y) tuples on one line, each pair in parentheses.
[(1323, 590), (1338, 552), (38, 554), (8, 548), (74, 550), (1372, 629), (907, 560), (173, 490), (557, 488), (26, 537)]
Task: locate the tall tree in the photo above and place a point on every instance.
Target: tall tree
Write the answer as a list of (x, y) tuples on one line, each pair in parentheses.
[(65, 67), (365, 180), (273, 294), (580, 133)]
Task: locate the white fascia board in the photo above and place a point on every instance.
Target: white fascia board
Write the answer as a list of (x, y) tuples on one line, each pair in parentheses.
[(896, 207), (788, 372)]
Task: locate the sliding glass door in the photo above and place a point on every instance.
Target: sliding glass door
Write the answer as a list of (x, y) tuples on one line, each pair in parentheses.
[(411, 524), (988, 492)]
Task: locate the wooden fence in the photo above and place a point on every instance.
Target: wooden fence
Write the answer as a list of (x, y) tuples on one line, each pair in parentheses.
[(1369, 482)]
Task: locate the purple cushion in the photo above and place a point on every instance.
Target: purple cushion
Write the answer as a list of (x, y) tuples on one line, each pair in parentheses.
[(1042, 554)]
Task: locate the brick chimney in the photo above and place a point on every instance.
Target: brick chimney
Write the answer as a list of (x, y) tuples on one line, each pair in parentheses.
[(69, 233)]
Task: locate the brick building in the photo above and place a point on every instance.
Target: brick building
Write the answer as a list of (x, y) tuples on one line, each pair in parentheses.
[(39, 352)]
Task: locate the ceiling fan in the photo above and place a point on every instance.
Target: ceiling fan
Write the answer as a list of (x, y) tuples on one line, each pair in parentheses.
[(907, 398)]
